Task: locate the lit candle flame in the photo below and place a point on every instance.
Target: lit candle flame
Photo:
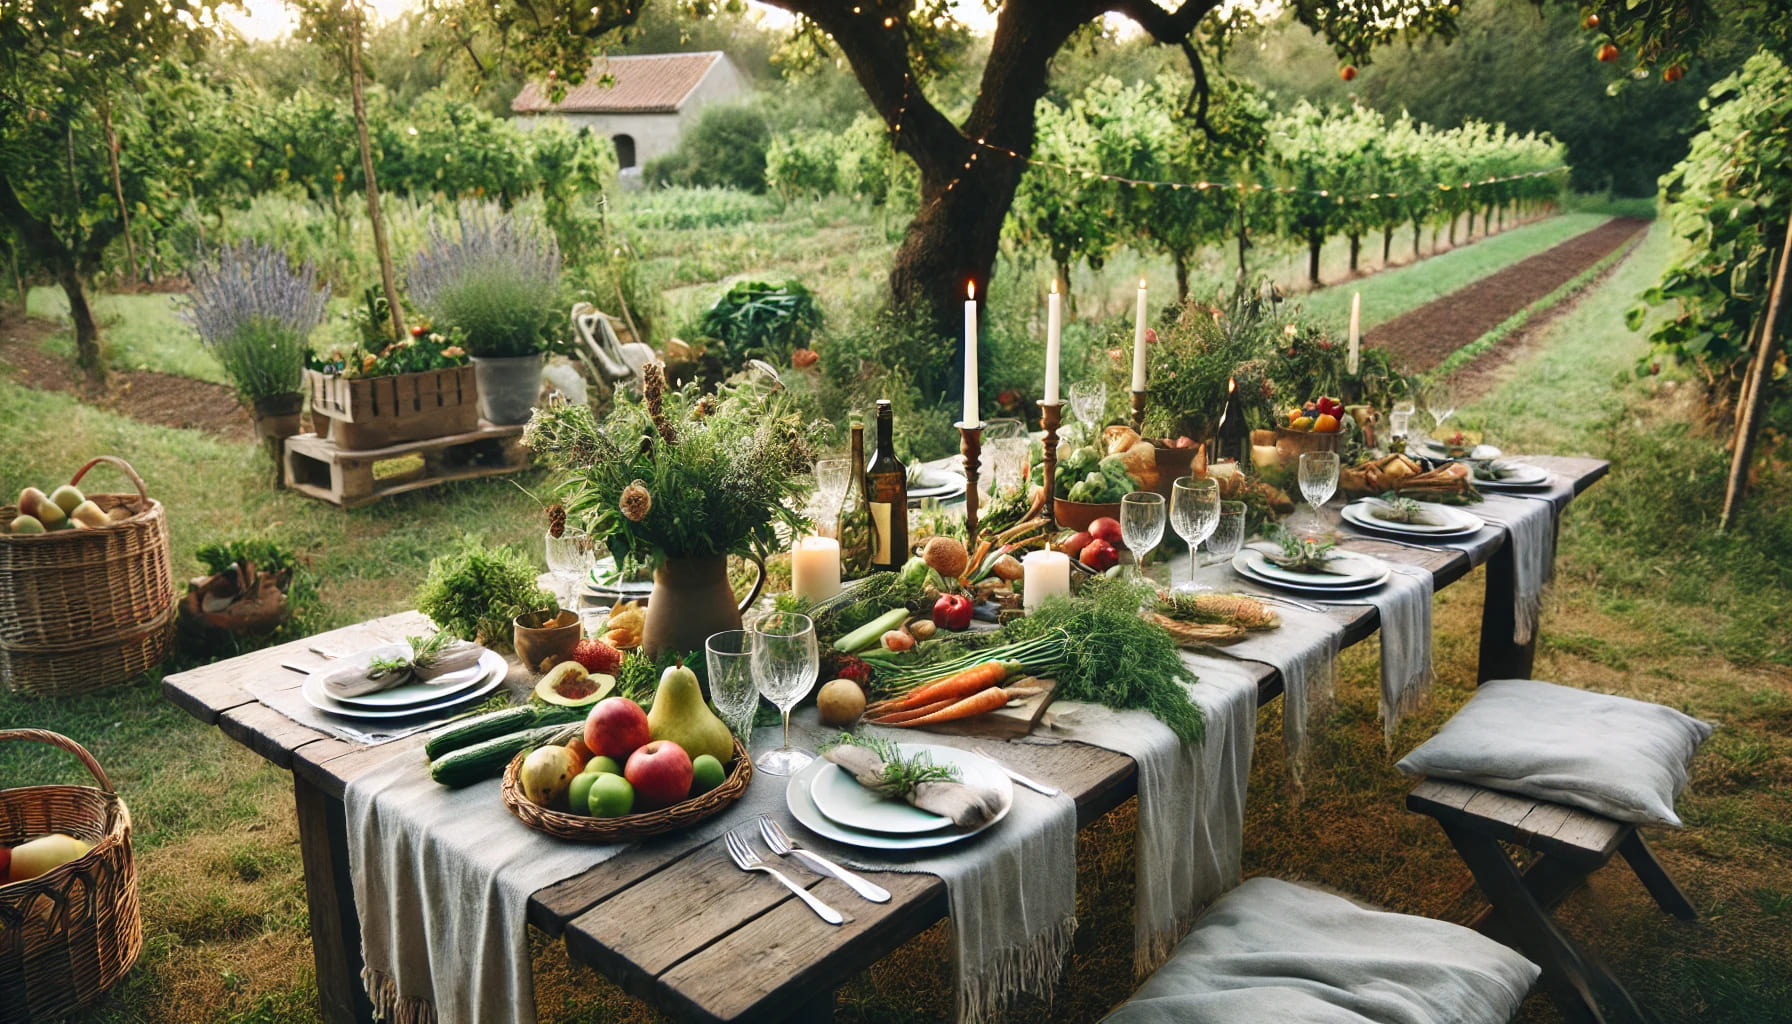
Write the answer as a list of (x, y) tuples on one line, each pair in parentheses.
[(1141, 282), (970, 290), (1231, 384), (1054, 286)]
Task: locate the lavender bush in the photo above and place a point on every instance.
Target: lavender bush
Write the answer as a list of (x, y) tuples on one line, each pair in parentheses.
[(255, 313), (496, 282)]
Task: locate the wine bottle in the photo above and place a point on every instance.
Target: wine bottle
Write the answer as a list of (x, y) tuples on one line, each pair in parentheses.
[(854, 529), (886, 495)]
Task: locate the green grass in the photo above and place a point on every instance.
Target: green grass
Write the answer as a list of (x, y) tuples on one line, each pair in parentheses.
[(139, 332)]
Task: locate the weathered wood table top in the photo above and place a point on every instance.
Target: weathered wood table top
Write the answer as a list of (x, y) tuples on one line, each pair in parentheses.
[(742, 951)]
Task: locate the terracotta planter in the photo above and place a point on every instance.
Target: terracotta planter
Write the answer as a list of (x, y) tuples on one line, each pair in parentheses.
[(508, 387), (691, 602), (373, 412), (540, 635)]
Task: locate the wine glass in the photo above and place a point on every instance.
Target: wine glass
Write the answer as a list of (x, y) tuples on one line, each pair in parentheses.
[(1228, 532), (1006, 439), (1195, 511), (1087, 400), (729, 655), (1318, 480), (1440, 405), (1141, 525), (785, 663), (570, 557), (832, 475)]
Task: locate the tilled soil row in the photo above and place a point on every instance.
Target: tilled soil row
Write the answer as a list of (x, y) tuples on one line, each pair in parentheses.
[(1424, 337)]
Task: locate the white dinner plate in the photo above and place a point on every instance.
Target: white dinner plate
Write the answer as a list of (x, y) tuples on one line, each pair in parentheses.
[(1528, 477), (1456, 522), (440, 688), (605, 570), (840, 797), (496, 668), (933, 482), (976, 770), (1357, 569), (1305, 582)]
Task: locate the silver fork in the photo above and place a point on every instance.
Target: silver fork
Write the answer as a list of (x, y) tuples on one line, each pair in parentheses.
[(747, 860), (783, 846)]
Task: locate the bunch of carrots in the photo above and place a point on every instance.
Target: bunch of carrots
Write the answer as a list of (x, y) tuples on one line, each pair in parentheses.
[(965, 688)]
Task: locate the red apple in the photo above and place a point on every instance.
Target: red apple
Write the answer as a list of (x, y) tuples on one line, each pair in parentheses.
[(615, 727), (1106, 528), (1099, 555), (661, 774), (1075, 545)]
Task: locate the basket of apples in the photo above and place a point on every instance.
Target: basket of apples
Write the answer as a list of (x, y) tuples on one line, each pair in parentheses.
[(631, 773), (1317, 426)]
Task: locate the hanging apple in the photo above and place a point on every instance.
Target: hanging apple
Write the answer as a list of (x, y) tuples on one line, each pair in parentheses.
[(1607, 53), (1673, 73), (1347, 72)]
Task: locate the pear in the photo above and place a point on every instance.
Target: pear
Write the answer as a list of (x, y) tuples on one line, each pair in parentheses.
[(31, 503), (680, 715), (88, 514), (68, 497), (51, 515), (26, 524)]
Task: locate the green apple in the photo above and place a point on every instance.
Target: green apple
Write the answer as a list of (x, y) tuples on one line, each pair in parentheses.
[(706, 774), (600, 763), (67, 497), (610, 796), (576, 793)]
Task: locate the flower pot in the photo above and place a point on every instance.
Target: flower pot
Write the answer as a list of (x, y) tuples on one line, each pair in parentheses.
[(691, 602), (277, 416), (373, 412), (540, 635), (508, 387)]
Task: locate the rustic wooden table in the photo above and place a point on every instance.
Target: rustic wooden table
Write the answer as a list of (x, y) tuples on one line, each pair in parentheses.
[(743, 951)]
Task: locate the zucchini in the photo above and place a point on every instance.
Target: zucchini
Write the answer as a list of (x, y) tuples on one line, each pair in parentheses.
[(870, 632), (498, 723), (486, 760)]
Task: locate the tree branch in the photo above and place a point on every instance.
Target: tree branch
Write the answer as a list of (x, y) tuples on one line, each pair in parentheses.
[(1177, 28)]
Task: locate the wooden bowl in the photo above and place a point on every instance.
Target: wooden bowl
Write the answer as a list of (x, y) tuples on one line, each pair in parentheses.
[(578, 827), (1077, 515), (1291, 443), (540, 635), (1172, 463)]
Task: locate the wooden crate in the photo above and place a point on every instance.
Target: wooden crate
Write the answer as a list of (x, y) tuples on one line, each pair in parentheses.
[(375, 412), (322, 469)]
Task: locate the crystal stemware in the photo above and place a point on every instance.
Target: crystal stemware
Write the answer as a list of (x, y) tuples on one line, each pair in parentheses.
[(729, 655), (1194, 511), (1141, 525), (831, 480), (1228, 532), (785, 663), (570, 557), (1318, 481), (1087, 400)]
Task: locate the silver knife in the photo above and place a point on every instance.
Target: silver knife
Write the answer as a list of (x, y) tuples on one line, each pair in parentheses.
[(1037, 787)]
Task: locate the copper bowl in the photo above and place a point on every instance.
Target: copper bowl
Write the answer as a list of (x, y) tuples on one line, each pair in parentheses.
[(1077, 515), (549, 633)]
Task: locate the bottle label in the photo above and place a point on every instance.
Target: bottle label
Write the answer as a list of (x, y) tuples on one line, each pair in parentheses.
[(880, 529)]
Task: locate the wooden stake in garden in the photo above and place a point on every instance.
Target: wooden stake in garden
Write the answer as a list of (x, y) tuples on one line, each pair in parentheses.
[(358, 83), (1754, 386)]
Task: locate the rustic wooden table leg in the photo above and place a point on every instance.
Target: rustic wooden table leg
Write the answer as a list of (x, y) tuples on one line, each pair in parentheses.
[(335, 927), (1570, 976), (1655, 877), (1501, 658), (819, 1010)]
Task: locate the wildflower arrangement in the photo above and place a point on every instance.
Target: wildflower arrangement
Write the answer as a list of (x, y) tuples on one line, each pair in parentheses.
[(424, 350), (681, 474), (494, 283), (255, 312)]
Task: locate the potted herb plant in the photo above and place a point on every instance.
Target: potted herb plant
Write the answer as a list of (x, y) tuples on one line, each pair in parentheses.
[(476, 593), (680, 481), (495, 285), (255, 312), (384, 392)]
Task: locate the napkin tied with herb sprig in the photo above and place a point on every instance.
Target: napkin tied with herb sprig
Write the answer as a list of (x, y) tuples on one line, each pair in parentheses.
[(1303, 554), (430, 656), (879, 766), (1392, 508)]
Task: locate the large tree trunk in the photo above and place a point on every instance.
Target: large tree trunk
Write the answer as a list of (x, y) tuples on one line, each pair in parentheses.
[(1356, 250), (952, 241), (1387, 244), (358, 86), (1417, 229), (87, 332), (1181, 262), (1315, 242), (48, 248)]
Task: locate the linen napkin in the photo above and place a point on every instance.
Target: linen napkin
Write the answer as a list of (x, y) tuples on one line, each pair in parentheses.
[(1530, 525), (1190, 836), (1404, 604)]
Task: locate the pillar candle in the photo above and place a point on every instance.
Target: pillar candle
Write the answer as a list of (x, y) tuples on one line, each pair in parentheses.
[(815, 568), (1044, 574), (970, 354), (1356, 334), (1054, 330), (1265, 456), (1138, 342)]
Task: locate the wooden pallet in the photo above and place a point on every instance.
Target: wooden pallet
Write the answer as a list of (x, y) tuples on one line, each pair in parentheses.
[(316, 467)]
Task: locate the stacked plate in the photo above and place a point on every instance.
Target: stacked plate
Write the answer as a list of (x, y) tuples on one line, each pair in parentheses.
[(1519, 477), (1348, 573), (934, 482), (605, 581), (1448, 523), (446, 691), (830, 803)]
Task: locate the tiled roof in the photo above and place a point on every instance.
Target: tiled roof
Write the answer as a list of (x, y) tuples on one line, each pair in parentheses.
[(656, 84)]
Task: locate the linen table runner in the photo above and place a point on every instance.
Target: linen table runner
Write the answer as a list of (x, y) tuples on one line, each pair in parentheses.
[(1404, 604), (1190, 835), (1530, 525)]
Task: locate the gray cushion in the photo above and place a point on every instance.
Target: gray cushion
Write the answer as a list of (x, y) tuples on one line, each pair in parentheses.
[(1626, 759), (1271, 950)]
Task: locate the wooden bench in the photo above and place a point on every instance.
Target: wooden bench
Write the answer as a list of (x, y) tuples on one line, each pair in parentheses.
[(1571, 844)]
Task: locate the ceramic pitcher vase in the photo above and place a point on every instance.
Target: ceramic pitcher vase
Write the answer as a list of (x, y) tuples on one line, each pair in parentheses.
[(691, 601)]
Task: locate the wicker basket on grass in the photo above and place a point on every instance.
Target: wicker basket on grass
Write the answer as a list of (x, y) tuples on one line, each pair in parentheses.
[(69, 934), (82, 609), (565, 825)]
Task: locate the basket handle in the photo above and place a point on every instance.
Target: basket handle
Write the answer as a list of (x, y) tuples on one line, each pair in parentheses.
[(56, 739), (123, 466)]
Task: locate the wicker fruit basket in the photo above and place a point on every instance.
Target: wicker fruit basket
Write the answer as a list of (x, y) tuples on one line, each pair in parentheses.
[(90, 608), (69, 934), (1200, 634), (578, 827)]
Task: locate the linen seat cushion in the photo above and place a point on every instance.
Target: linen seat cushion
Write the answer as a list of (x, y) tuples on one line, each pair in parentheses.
[(1274, 951), (1624, 759)]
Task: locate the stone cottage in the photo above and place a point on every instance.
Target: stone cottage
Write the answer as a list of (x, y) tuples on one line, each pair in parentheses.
[(649, 101)]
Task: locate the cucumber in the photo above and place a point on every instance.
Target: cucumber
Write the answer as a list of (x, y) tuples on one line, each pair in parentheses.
[(486, 760), (868, 634), (498, 723)]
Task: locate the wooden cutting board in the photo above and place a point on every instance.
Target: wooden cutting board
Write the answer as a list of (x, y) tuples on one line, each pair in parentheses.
[(1017, 719)]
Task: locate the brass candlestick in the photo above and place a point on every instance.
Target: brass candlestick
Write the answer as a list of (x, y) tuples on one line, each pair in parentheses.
[(970, 443), (1050, 415), (1138, 411)]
